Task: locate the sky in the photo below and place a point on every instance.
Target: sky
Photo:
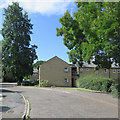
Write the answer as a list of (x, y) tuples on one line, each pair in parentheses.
[(44, 15)]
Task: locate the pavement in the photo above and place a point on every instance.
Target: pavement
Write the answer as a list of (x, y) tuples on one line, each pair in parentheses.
[(0, 106), (12, 103), (64, 103), (7, 85)]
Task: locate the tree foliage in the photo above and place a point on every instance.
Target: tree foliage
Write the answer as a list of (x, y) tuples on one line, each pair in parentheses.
[(36, 65), (93, 31), (17, 53)]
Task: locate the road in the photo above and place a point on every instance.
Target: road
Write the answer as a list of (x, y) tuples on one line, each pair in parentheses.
[(11, 103), (64, 103), (0, 105)]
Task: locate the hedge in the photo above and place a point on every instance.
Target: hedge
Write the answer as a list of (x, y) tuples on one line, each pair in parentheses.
[(100, 84)]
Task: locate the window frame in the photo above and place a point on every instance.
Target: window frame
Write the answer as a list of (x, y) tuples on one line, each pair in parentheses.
[(65, 80), (118, 71), (81, 69), (65, 69), (87, 69), (114, 70)]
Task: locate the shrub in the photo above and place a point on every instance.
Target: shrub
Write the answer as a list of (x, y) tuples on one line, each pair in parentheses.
[(106, 85), (36, 82), (95, 83), (100, 84), (18, 83), (43, 83), (115, 89)]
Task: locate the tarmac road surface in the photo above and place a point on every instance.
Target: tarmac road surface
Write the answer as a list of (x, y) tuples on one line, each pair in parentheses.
[(12, 104), (64, 103), (0, 106)]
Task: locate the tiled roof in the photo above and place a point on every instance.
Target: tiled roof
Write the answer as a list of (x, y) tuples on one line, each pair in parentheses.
[(54, 58), (85, 64), (114, 66)]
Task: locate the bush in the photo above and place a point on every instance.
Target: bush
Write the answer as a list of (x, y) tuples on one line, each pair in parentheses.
[(106, 85), (36, 82), (100, 84), (115, 89), (18, 83), (43, 83), (95, 83)]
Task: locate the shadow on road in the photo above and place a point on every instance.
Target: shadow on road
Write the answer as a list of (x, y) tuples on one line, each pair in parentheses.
[(3, 96), (4, 108), (9, 91)]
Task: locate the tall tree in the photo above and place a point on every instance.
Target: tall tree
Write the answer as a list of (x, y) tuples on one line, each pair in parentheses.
[(73, 37), (17, 53), (96, 29), (36, 65)]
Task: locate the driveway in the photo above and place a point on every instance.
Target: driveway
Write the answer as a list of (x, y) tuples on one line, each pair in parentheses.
[(64, 103)]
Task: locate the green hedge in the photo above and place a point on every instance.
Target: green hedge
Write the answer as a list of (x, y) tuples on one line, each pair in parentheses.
[(100, 84), (115, 89)]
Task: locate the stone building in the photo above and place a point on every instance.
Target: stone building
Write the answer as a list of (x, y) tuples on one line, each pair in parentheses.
[(60, 73)]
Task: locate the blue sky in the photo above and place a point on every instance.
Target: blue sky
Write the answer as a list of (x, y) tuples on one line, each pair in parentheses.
[(45, 18)]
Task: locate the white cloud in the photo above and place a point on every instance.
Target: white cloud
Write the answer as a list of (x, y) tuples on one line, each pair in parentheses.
[(47, 7)]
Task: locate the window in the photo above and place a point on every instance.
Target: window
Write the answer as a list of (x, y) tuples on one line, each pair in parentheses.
[(105, 70), (114, 70), (87, 69), (81, 69), (65, 80), (65, 69), (118, 70)]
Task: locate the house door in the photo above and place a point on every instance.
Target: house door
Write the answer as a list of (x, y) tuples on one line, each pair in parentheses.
[(73, 82)]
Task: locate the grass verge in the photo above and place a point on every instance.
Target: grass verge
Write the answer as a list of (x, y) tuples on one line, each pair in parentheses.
[(28, 117), (81, 89)]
